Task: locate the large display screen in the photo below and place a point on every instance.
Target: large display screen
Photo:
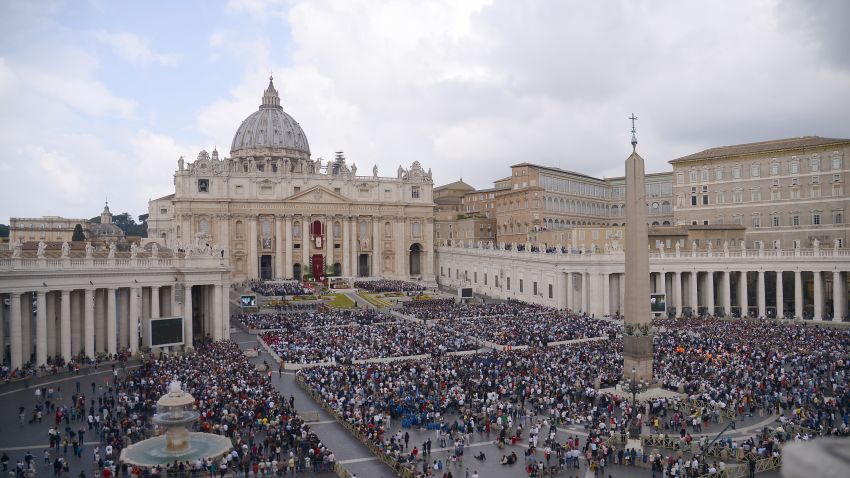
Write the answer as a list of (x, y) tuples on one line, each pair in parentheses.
[(465, 292), (166, 331), (248, 301), (657, 303)]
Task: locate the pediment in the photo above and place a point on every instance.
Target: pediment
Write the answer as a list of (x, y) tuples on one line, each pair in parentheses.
[(318, 195)]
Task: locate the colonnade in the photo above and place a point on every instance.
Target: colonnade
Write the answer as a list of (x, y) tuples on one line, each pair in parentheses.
[(73, 323), (814, 294)]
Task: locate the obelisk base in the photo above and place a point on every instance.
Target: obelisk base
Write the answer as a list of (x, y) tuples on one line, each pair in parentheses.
[(637, 354)]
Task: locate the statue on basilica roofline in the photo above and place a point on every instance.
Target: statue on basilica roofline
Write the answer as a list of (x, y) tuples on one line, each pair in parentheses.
[(18, 250), (89, 250), (353, 169), (41, 247), (66, 250), (112, 250), (375, 171), (154, 250), (134, 250)]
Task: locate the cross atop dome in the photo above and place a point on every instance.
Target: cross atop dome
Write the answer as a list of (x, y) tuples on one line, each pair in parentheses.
[(270, 96)]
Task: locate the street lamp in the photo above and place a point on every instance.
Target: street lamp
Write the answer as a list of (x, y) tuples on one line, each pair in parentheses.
[(634, 386)]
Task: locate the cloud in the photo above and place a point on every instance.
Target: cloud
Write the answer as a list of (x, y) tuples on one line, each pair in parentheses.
[(134, 49)]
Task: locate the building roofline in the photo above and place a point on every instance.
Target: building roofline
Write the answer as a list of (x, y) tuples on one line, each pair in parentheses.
[(761, 147)]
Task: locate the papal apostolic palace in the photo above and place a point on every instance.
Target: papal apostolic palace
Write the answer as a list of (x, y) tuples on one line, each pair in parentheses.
[(278, 213)]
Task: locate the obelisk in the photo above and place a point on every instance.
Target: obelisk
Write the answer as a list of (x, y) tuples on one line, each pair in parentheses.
[(637, 341)]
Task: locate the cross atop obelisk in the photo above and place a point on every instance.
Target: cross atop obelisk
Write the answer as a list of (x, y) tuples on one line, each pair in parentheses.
[(634, 131)]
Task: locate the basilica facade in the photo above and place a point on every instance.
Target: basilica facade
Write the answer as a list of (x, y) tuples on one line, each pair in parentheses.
[(279, 214)]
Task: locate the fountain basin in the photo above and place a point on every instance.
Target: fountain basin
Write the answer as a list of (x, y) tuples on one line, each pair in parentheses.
[(155, 451), (176, 419)]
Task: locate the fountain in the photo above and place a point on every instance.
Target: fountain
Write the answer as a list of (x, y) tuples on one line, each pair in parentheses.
[(178, 443)]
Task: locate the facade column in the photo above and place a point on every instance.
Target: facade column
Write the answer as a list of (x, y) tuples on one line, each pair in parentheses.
[(155, 302), (838, 303), (111, 322), (65, 325), (677, 292), (133, 328), (253, 259), (287, 263), (428, 253), (818, 289), (570, 302), (762, 295), (279, 271), (88, 327), (694, 299), (225, 313), (780, 296), (743, 294), (188, 343), (355, 266), (305, 245), (16, 361), (376, 239), (41, 329), (217, 313), (727, 293), (346, 250), (709, 291), (124, 319), (51, 324), (77, 322), (399, 241), (798, 295), (224, 233), (329, 242)]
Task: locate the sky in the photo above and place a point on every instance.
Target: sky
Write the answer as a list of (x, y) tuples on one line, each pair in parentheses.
[(98, 99)]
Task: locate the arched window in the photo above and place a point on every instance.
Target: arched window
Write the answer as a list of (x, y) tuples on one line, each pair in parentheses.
[(388, 229), (336, 231), (296, 229), (240, 229)]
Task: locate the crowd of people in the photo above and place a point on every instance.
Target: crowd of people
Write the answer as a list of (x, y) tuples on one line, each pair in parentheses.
[(233, 400), (432, 309), (281, 288), (294, 322), (344, 344), (534, 327), (388, 285)]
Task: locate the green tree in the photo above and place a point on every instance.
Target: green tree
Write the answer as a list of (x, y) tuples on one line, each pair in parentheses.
[(4, 230), (78, 234)]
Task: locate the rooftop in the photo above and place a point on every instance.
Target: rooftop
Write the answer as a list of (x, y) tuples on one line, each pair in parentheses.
[(762, 147)]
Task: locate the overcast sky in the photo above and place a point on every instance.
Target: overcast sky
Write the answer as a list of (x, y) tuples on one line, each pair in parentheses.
[(98, 99)]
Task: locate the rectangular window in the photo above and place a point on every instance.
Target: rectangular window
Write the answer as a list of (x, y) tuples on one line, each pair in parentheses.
[(414, 192), (508, 283), (496, 280), (814, 164), (693, 200), (337, 190), (836, 190), (720, 198), (755, 170), (795, 220), (203, 185), (736, 172), (738, 196), (535, 288), (475, 277), (520, 286), (756, 221), (680, 178), (815, 219), (775, 194), (705, 200), (704, 175), (296, 189), (693, 176), (775, 221), (163, 211), (795, 193), (774, 169), (795, 167), (755, 195), (837, 217), (836, 162), (485, 278), (815, 192), (718, 174)]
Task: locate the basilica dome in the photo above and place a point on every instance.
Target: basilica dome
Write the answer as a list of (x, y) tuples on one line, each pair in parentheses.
[(269, 129)]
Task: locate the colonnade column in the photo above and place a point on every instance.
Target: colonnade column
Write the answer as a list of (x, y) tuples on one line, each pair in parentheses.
[(287, 264), (188, 332), (279, 271), (16, 361), (134, 320), (88, 327), (743, 294), (570, 302), (839, 305), (798, 295), (155, 302), (780, 296), (41, 329), (253, 259), (51, 324), (112, 322), (606, 294), (217, 312), (65, 324), (694, 299), (305, 245), (585, 293), (225, 313), (818, 290), (2, 332), (762, 299), (354, 264), (727, 293), (677, 292), (400, 250), (26, 326), (621, 283), (709, 292)]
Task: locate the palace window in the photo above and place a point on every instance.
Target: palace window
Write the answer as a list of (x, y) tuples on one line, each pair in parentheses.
[(755, 194), (836, 161), (837, 217), (693, 176), (814, 163), (815, 192), (795, 167), (414, 192), (795, 220), (836, 190), (756, 221), (718, 174), (736, 172), (816, 219), (774, 169), (203, 185), (795, 193), (755, 170), (774, 220), (775, 194)]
